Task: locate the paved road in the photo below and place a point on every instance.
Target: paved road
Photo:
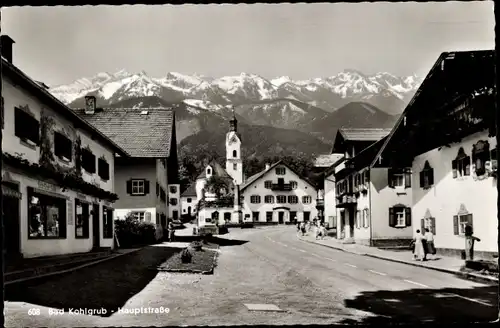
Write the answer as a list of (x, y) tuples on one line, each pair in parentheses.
[(311, 283)]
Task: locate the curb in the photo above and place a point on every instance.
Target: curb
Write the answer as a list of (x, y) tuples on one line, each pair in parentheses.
[(467, 275), (68, 270)]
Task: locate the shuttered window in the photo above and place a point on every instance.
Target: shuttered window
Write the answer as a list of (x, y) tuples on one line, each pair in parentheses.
[(399, 216), (460, 222), (427, 176)]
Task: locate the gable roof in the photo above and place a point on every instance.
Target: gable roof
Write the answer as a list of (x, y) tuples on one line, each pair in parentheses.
[(465, 58), (259, 175), (327, 160), (8, 69), (141, 135), (332, 167), (218, 170), (190, 191), (358, 135)]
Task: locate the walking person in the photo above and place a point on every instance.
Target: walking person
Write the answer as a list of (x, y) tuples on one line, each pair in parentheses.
[(170, 231), (429, 239), (298, 229), (418, 250), (303, 228), (317, 231), (470, 239), (323, 230)]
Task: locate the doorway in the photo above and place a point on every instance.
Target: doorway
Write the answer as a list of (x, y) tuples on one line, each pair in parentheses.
[(96, 229), (342, 224), (175, 214), (351, 222), (12, 236), (189, 210), (307, 216), (281, 217)]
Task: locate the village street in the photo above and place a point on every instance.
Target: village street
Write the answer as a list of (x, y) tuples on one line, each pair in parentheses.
[(310, 283)]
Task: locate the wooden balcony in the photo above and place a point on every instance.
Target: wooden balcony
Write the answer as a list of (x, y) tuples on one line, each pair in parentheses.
[(281, 187), (320, 203), (346, 200)]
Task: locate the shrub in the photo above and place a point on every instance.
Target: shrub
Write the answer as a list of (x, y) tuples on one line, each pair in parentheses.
[(132, 232), (196, 245), (186, 256)]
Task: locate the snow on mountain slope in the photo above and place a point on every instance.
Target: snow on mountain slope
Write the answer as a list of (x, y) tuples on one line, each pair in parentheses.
[(328, 93)]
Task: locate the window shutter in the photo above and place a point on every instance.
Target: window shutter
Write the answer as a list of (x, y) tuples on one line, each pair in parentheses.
[(408, 216), (422, 183), (407, 179), (433, 225), (454, 168), (455, 225), (147, 216), (146, 187), (129, 187), (389, 178), (467, 165), (392, 218), (469, 221), (430, 174), (422, 225)]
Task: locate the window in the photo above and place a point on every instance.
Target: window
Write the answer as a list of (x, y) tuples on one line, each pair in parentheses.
[(88, 161), (63, 147), (173, 189), (26, 127), (107, 222), (46, 216), (306, 199), (138, 215), (255, 199), (173, 201), (209, 171), (82, 216), (366, 218), (255, 216), (358, 219), (138, 187), (428, 223), (461, 164), (281, 199), (293, 184), (399, 216), (269, 216), (269, 199), (268, 184), (399, 178), (481, 155), (280, 171), (103, 167), (460, 222), (292, 199), (227, 216), (427, 176), (157, 189), (189, 200), (235, 166), (235, 153)]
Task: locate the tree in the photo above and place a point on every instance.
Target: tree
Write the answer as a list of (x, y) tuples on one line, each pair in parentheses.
[(217, 185)]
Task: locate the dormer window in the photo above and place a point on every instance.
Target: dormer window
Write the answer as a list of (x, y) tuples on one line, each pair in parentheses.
[(63, 147), (461, 164), (481, 155), (88, 161), (426, 176)]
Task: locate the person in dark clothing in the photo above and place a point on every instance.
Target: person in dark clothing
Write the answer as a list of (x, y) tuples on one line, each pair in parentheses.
[(170, 231)]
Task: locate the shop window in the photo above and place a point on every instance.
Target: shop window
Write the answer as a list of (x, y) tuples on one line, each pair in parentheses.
[(107, 222), (82, 218), (46, 216)]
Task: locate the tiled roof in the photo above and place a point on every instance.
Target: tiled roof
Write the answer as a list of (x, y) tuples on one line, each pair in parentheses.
[(364, 134), (218, 170), (141, 135), (190, 191), (327, 160)]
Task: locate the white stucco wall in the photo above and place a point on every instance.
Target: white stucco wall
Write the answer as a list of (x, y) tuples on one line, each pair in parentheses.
[(257, 188), (330, 201), (382, 198), (444, 198), (185, 204), (176, 195)]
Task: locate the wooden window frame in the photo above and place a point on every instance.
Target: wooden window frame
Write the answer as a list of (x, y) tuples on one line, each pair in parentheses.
[(268, 184), (255, 199), (280, 171), (45, 201), (308, 201), (269, 199), (283, 197), (292, 199)]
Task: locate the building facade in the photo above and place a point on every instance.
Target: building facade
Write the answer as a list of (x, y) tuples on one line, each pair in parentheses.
[(142, 181), (448, 134), (57, 172), (189, 201)]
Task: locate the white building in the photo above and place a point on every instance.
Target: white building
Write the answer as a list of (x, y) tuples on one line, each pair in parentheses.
[(174, 201), (450, 143), (46, 212), (189, 201)]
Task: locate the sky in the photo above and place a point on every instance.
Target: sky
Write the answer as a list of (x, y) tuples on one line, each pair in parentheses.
[(57, 45)]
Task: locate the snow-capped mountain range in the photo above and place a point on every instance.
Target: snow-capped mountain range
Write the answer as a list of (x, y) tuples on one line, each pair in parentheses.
[(328, 93)]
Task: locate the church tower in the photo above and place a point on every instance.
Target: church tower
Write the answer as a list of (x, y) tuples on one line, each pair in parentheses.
[(234, 163)]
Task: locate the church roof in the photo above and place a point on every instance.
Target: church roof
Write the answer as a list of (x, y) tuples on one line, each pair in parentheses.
[(190, 191), (218, 170)]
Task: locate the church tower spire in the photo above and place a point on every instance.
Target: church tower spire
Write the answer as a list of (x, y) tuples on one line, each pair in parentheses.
[(234, 163)]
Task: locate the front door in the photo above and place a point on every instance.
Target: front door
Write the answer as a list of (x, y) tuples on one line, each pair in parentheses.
[(189, 210), (11, 226), (175, 214), (96, 229), (351, 222), (307, 216), (342, 224), (281, 217)]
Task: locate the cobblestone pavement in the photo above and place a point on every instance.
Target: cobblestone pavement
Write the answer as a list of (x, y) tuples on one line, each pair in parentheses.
[(311, 283)]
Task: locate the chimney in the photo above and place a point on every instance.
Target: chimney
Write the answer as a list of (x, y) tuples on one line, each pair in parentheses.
[(268, 166), (6, 47), (89, 105)]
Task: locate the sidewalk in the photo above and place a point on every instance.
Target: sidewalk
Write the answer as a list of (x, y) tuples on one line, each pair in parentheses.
[(442, 263)]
